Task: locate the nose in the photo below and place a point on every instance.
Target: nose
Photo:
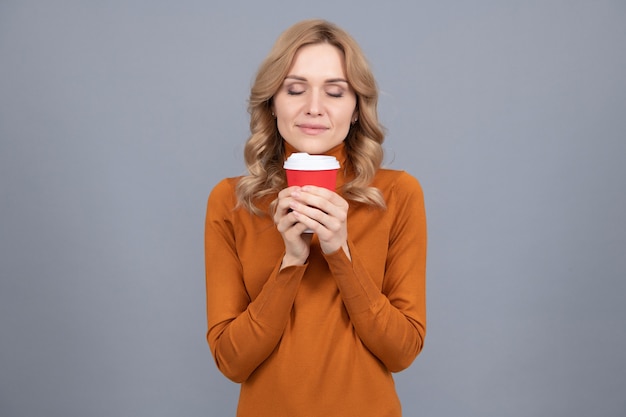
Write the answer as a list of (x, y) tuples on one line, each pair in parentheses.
[(314, 104)]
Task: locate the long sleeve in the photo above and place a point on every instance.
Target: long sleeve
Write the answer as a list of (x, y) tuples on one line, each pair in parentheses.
[(333, 329), (390, 321), (243, 329)]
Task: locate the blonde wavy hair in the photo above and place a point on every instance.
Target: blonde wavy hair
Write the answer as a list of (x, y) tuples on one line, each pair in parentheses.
[(264, 151)]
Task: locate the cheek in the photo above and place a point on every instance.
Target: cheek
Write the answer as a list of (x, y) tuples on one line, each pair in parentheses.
[(283, 127), (283, 112), (347, 115), (347, 111)]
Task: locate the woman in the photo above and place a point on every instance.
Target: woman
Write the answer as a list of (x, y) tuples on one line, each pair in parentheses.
[(314, 324)]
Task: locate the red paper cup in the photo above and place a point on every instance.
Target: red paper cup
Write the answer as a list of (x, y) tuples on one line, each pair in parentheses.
[(326, 178), (319, 170)]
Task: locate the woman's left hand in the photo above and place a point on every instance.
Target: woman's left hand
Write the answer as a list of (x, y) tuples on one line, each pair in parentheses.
[(325, 213)]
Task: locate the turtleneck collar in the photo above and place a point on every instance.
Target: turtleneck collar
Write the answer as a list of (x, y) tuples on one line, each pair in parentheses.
[(338, 152)]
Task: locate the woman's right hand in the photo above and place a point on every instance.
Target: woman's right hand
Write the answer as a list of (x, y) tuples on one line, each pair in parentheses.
[(297, 243)]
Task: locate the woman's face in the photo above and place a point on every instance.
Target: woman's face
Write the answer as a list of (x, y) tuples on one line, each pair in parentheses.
[(315, 105)]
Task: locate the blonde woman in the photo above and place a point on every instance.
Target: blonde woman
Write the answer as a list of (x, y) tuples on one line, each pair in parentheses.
[(314, 324)]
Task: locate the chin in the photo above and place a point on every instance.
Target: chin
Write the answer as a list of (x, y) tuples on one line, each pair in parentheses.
[(313, 148)]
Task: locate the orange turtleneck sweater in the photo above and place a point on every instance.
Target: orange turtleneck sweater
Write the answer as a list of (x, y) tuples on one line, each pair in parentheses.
[(321, 339)]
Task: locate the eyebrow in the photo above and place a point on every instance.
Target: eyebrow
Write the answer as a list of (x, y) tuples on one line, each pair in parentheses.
[(328, 81)]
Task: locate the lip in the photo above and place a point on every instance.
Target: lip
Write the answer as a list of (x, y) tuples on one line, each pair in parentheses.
[(311, 128)]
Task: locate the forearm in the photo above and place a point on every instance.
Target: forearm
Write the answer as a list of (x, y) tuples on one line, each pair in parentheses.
[(394, 338), (242, 341), (391, 334)]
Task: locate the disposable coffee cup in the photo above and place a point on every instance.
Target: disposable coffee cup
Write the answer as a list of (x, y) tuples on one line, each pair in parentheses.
[(304, 169)]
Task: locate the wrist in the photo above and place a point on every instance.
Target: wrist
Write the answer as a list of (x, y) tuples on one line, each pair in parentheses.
[(289, 260)]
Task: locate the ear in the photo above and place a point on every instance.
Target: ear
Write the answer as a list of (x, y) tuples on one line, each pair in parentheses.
[(271, 107)]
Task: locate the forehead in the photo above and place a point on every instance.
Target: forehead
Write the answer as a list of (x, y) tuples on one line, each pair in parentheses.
[(321, 60)]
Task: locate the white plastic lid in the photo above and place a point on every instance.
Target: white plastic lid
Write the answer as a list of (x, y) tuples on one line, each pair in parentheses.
[(302, 161)]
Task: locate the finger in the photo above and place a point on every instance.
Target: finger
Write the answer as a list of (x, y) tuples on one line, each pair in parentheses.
[(286, 222), (320, 193), (286, 192), (325, 193), (282, 205), (307, 222), (305, 201), (299, 229), (306, 211)]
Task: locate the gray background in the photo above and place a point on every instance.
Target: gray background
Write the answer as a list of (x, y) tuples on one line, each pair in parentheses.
[(118, 117)]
